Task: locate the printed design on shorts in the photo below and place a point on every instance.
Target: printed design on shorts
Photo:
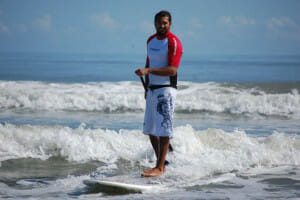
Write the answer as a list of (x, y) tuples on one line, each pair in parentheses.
[(165, 108)]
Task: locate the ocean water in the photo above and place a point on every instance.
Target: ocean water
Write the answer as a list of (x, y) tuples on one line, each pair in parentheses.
[(66, 118)]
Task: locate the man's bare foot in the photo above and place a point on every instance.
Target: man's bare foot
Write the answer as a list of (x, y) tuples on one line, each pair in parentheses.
[(149, 170), (153, 172)]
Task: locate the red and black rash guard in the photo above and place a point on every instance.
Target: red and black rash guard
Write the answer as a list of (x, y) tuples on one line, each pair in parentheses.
[(162, 52)]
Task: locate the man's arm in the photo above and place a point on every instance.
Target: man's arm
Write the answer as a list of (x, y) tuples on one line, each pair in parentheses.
[(163, 71)]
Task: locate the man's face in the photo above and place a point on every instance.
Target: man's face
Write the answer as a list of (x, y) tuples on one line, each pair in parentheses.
[(162, 25)]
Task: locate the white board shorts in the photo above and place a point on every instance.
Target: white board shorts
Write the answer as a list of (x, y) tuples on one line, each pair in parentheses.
[(160, 105)]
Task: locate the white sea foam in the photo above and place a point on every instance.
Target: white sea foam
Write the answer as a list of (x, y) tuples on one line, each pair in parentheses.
[(128, 96), (73, 144), (197, 153), (211, 151), (84, 97), (218, 98)]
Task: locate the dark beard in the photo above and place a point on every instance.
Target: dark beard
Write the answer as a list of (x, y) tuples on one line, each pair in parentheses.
[(160, 33)]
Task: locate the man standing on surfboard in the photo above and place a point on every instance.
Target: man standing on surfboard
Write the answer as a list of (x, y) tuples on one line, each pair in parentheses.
[(164, 52)]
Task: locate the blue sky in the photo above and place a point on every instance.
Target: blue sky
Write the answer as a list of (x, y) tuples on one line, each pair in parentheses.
[(122, 26)]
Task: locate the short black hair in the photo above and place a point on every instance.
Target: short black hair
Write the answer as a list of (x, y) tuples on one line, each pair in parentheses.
[(161, 14)]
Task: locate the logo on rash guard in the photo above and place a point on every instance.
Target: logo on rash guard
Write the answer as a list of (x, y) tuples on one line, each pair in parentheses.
[(153, 49)]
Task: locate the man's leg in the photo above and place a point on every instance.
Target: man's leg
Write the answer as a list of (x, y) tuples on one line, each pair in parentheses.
[(163, 147), (160, 166), (155, 144)]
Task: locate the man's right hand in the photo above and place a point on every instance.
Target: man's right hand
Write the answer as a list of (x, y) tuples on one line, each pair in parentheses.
[(142, 71)]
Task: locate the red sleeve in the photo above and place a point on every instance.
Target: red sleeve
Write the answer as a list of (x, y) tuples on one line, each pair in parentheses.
[(174, 51)]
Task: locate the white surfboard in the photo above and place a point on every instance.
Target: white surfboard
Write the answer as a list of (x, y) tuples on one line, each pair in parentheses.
[(116, 187)]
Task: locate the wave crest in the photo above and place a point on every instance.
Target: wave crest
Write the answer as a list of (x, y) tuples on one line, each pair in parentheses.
[(128, 97), (212, 149)]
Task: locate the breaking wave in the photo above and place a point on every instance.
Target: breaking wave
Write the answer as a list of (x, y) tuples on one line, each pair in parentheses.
[(128, 96), (196, 152)]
